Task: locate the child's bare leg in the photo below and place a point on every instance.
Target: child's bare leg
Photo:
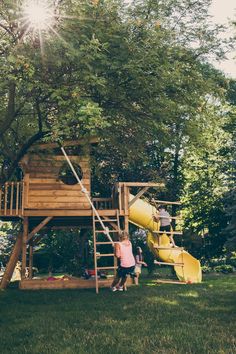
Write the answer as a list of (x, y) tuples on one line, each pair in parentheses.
[(115, 281), (123, 281), (136, 279)]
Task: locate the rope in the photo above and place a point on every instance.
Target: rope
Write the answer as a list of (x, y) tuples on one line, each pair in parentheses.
[(84, 190)]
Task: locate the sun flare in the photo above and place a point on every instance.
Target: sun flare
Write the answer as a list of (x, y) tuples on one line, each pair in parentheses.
[(38, 15)]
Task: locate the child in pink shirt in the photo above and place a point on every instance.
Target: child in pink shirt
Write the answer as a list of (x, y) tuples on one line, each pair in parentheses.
[(123, 251)]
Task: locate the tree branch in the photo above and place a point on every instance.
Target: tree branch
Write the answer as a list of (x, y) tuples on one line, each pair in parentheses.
[(8, 174), (10, 114), (6, 29), (39, 114)]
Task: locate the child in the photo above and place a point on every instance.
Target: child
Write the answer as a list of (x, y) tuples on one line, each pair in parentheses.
[(165, 222), (123, 251), (138, 264)]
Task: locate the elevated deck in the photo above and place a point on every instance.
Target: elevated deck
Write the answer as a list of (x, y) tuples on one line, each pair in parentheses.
[(60, 220), (13, 205)]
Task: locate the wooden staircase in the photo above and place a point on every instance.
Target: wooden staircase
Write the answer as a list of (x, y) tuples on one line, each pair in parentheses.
[(100, 239)]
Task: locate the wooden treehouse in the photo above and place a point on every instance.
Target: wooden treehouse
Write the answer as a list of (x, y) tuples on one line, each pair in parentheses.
[(49, 196)]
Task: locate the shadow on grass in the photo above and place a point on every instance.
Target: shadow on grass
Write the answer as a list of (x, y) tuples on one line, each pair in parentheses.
[(164, 318)]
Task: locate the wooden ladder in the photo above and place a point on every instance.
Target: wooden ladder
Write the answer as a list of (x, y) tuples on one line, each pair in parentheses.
[(100, 238)]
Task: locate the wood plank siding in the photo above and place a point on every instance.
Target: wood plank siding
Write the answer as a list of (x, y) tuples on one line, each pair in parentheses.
[(44, 189)]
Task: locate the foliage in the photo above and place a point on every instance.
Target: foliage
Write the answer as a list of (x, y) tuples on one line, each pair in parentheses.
[(223, 264), (60, 251), (111, 71), (8, 233), (206, 269), (229, 199), (224, 268), (206, 181), (138, 77)]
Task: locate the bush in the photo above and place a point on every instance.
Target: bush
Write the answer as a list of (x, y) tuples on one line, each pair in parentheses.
[(232, 259), (206, 269), (215, 262), (224, 268)]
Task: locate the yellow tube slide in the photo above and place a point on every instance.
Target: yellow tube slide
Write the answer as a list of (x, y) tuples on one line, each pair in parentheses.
[(189, 269)]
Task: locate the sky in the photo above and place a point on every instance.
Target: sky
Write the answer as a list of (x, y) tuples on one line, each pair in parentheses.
[(223, 11)]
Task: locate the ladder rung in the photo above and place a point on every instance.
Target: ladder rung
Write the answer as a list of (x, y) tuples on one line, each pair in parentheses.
[(113, 220), (105, 220), (168, 248), (104, 255), (165, 202), (172, 264), (110, 220), (104, 232), (170, 217), (100, 268), (106, 243), (168, 232)]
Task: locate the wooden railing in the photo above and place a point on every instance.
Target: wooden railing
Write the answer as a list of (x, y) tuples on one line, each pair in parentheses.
[(102, 203), (11, 199)]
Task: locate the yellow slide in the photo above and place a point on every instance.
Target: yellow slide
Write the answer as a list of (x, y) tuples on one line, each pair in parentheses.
[(187, 268)]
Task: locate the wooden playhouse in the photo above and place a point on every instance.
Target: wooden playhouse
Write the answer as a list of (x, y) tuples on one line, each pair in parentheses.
[(49, 196)]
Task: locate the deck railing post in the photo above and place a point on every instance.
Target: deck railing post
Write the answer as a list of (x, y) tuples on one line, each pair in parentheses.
[(5, 198)]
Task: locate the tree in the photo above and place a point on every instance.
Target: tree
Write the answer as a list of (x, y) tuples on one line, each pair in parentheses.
[(205, 170), (109, 71), (136, 76), (8, 233), (230, 196)]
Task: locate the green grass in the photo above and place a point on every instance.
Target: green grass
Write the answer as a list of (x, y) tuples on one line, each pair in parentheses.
[(146, 319)]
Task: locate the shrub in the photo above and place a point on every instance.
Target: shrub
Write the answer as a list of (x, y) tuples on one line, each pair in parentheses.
[(206, 269), (232, 259), (224, 268), (215, 262)]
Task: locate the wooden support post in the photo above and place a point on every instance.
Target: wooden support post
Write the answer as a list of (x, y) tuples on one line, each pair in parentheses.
[(26, 190), (126, 207), (17, 197), (36, 240), (12, 262), (140, 193), (95, 252), (24, 246), (22, 197), (11, 197), (120, 196), (5, 198), (30, 261), (39, 227)]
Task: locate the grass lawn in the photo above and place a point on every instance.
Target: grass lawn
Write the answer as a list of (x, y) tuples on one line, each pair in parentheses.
[(146, 319)]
